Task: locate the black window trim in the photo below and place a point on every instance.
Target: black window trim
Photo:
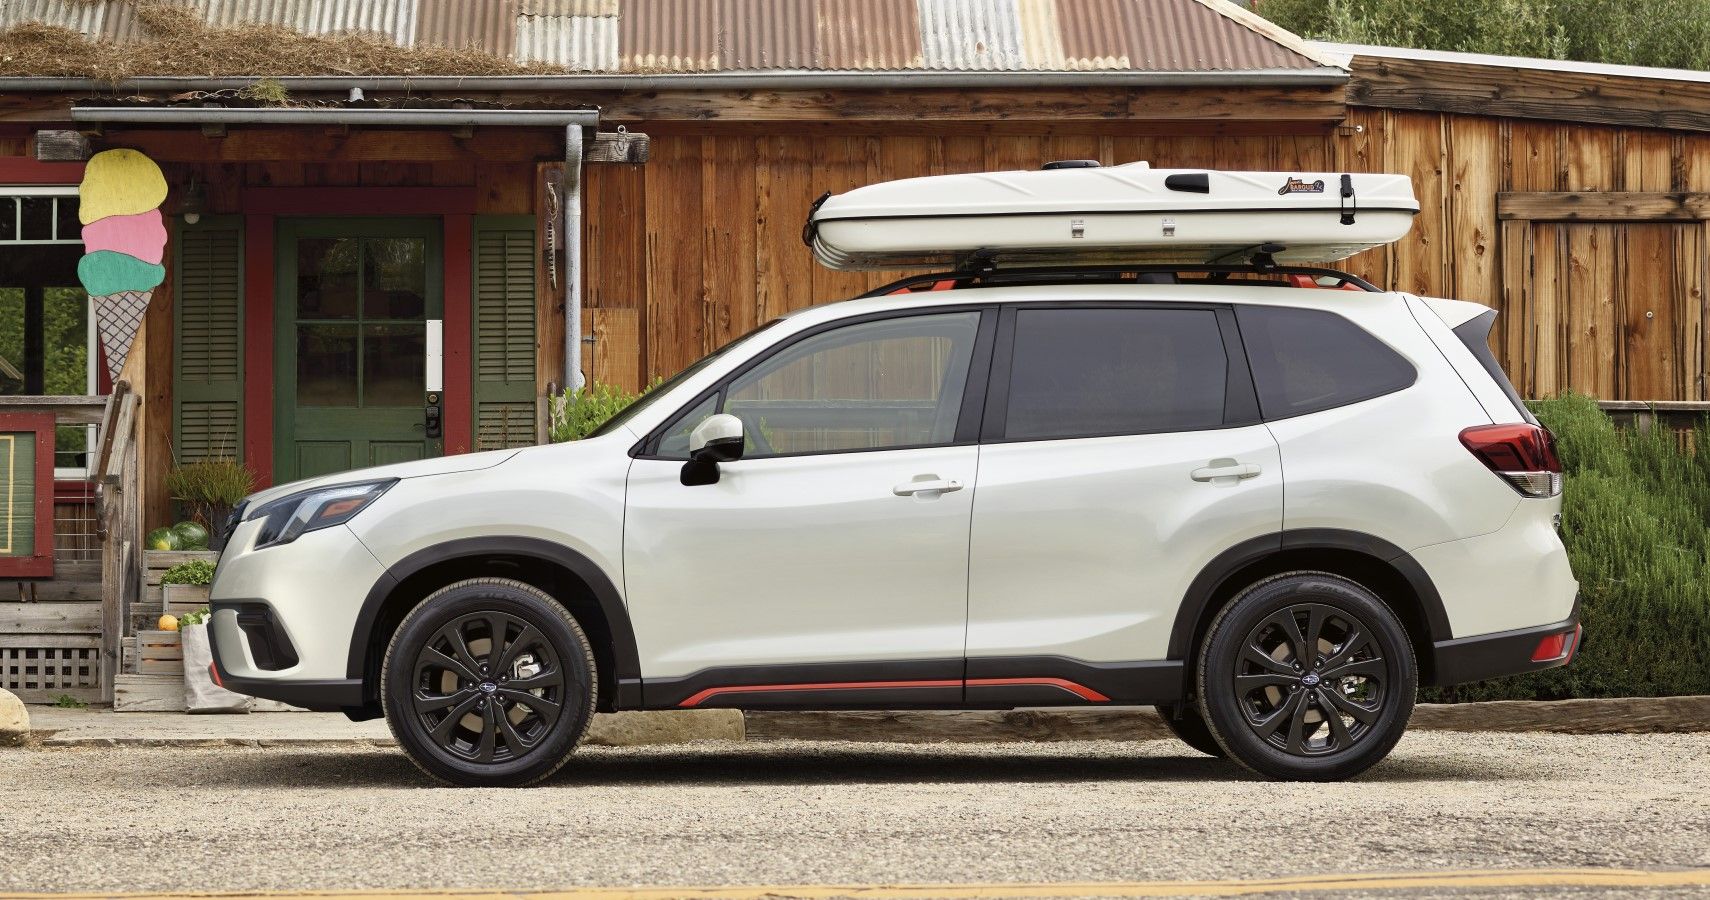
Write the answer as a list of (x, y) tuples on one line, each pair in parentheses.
[(1411, 367), (967, 418), (1240, 398)]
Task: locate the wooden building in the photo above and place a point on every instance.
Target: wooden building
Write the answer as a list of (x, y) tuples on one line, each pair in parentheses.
[(309, 250)]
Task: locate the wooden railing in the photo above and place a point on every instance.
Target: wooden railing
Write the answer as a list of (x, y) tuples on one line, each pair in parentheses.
[(60, 636)]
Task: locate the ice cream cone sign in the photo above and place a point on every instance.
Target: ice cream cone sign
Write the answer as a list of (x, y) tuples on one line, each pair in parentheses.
[(124, 240)]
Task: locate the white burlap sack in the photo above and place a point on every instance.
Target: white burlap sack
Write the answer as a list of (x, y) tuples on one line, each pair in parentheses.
[(201, 694)]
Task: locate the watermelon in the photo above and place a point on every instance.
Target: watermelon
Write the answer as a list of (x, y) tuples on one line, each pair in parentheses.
[(191, 536), (161, 539)]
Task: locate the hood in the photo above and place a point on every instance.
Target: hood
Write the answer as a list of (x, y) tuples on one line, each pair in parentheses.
[(443, 465)]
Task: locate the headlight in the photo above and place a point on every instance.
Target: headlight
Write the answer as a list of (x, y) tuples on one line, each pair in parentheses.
[(287, 518)]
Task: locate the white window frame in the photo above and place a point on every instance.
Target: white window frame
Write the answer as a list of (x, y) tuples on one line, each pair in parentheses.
[(91, 376)]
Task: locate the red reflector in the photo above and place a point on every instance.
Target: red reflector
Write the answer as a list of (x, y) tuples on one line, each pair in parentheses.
[(1513, 448), (1552, 648), (215, 672)]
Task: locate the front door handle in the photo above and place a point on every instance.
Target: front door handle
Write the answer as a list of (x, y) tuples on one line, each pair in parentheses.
[(926, 484), (1224, 468)]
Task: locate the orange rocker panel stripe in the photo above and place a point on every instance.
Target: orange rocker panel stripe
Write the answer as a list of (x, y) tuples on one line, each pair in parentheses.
[(1081, 691)]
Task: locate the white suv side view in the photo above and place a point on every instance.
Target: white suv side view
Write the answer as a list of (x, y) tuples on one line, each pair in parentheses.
[(1269, 509)]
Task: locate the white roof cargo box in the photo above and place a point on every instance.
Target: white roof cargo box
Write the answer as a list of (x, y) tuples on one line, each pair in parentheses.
[(1078, 213)]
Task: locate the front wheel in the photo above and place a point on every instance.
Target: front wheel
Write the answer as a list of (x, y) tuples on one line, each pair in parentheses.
[(489, 682), (1307, 676)]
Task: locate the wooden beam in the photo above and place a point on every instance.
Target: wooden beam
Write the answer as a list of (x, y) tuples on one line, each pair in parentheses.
[(617, 147), (50, 618), (308, 144), (61, 146), (69, 410), (1603, 206), (1458, 87)]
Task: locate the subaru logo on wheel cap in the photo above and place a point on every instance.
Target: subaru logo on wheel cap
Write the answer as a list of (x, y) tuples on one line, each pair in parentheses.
[(1311, 679), (487, 687)]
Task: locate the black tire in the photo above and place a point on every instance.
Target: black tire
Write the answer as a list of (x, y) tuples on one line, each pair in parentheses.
[(1273, 720), (1185, 722), (444, 681)]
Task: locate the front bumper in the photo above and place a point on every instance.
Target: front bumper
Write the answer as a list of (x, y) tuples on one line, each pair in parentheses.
[(1515, 652), (256, 647)]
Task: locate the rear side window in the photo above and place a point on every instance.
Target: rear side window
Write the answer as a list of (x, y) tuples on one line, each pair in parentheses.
[(1475, 333), (1307, 360), (1091, 372)]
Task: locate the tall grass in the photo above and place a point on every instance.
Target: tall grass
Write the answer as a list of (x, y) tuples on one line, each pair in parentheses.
[(1636, 522)]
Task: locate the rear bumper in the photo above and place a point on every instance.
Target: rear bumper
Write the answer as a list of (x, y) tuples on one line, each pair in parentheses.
[(1503, 653)]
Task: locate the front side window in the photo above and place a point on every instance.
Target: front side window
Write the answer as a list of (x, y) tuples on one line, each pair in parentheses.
[(1308, 360), (873, 385), (1092, 372)]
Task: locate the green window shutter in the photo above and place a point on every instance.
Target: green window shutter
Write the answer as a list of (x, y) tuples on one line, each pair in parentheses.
[(207, 367), (504, 330)]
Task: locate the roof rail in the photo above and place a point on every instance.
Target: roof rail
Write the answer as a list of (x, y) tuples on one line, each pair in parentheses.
[(945, 281)]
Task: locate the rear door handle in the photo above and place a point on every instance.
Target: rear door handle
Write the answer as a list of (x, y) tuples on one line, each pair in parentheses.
[(927, 484), (1224, 468)]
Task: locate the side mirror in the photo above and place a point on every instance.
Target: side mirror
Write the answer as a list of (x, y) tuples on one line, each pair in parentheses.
[(717, 439)]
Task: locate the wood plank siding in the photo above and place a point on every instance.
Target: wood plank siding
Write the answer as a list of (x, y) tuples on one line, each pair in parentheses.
[(1604, 296)]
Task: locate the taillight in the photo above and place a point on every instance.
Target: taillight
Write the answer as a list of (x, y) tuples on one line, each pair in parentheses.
[(1524, 455)]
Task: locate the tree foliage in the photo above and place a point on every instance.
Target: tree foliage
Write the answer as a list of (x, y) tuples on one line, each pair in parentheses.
[(1667, 33)]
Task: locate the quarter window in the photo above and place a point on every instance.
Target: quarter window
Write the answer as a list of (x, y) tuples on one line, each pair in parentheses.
[(1308, 360), (869, 386), (1091, 372)]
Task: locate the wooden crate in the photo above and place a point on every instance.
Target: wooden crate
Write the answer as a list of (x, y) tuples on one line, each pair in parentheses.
[(155, 564), (41, 668), (178, 599), (154, 653)]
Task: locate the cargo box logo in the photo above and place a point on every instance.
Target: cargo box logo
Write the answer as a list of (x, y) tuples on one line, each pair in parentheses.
[(1298, 186)]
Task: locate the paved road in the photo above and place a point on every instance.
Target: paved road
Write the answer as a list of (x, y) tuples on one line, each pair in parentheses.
[(230, 819)]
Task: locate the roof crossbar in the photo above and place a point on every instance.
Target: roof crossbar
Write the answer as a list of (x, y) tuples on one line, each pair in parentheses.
[(1103, 275)]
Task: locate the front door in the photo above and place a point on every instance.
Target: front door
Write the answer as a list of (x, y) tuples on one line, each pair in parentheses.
[(354, 297)]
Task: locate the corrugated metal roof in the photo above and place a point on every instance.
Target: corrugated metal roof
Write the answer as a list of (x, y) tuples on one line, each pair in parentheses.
[(671, 36)]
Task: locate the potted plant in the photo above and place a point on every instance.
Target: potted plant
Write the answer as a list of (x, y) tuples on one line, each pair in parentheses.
[(209, 489)]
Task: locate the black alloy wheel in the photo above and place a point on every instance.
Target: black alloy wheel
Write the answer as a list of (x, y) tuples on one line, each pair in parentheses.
[(1307, 676), (489, 682)]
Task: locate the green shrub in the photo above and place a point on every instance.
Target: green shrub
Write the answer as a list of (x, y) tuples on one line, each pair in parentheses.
[(196, 571), (576, 414), (1636, 522), (210, 488)]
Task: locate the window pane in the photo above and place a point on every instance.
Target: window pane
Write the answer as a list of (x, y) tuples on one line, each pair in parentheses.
[(395, 278), (326, 277), (326, 365), (65, 341), (71, 447), (1307, 360), (12, 341), (8, 218), (393, 360), (892, 383), (675, 443), (38, 218), (1084, 372), (67, 228)]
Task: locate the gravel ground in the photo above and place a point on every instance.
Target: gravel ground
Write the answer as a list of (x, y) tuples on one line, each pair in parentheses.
[(139, 819)]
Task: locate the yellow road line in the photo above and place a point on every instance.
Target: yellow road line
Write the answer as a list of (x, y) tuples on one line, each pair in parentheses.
[(1461, 880)]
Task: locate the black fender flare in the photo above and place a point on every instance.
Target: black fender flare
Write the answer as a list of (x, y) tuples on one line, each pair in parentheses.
[(626, 659), (1216, 573)]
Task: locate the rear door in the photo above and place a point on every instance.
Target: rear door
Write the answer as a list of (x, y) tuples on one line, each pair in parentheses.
[(1122, 451)]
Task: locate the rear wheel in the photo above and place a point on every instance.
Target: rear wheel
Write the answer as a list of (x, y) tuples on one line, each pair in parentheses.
[(1186, 723), (489, 682), (1307, 676)]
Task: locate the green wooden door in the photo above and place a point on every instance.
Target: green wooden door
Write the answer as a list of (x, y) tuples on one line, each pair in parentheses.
[(353, 298)]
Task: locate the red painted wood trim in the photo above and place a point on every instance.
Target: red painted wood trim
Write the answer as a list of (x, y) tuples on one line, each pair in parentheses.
[(40, 563), (459, 321), (73, 491), (258, 347), (1085, 693), (359, 201), (23, 170)]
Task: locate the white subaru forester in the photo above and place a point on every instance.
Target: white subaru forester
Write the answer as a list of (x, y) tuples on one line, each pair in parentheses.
[(1269, 509)]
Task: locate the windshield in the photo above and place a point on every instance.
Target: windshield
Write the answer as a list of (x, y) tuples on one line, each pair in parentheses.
[(652, 394)]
